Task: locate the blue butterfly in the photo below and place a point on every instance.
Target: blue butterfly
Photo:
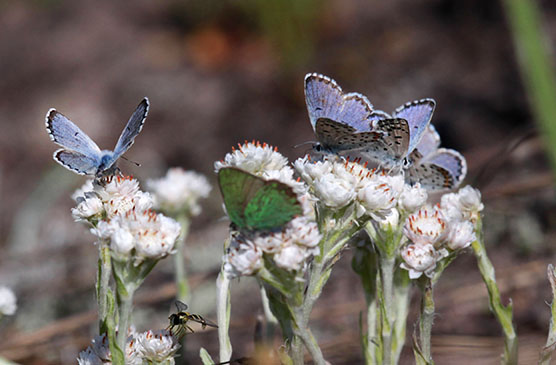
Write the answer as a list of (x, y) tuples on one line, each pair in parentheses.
[(345, 123), (80, 153)]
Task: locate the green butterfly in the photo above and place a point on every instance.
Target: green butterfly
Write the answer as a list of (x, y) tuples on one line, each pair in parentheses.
[(254, 203)]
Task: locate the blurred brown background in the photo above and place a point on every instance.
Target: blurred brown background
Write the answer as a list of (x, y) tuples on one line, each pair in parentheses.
[(219, 72)]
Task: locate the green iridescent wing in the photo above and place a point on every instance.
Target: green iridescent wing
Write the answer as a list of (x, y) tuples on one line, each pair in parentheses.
[(254, 203)]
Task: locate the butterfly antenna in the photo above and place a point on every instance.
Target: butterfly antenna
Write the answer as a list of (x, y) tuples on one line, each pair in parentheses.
[(304, 143), (133, 162)]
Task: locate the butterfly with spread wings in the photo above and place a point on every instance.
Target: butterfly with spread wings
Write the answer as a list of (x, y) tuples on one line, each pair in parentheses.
[(80, 153)]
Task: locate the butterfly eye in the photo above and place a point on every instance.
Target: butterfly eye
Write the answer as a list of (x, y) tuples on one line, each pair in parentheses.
[(317, 147), (406, 163)]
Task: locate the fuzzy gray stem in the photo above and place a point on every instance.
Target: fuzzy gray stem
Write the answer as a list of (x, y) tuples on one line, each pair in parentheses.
[(386, 264), (502, 313), (426, 320), (125, 303), (103, 284), (223, 316)]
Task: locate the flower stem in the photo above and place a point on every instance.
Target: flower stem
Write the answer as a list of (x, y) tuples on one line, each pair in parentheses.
[(426, 320), (386, 269), (125, 303), (502, 313), (179, 260), (401, 309), (271, 321), (223, 315), (546, 353), (103, 284)]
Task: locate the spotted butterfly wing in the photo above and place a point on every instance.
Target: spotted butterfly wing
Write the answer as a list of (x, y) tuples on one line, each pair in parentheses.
[(433, 167), (386, 144), (253, 203)]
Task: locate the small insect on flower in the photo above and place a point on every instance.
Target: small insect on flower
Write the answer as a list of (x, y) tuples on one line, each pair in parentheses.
[(80, 153), (179, 320)]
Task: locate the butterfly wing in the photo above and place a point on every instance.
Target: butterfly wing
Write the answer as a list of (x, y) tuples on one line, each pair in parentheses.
[(418, 114), (77, 162), (65, 133), (271, 206), (132, 128), (254, 203), (325, 99), (235, 193), (443, 169)]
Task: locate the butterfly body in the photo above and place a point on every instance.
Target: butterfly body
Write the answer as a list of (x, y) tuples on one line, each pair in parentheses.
[(80, 153), (256, 204)]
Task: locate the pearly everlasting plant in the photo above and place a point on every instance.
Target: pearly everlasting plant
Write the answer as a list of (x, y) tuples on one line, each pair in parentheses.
[(131, 238)]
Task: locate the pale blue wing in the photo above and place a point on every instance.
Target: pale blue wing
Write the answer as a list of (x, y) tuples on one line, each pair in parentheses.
[(78, 162), (444, 169), (63, 132), (430, 141), (325, 99), (418, 114), (132, 129)]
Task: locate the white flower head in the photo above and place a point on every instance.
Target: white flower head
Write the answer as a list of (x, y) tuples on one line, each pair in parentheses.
[(146, 235), (270, 242), (310, 170), (291, 257), (426, 226), (243, 258), (412, 198), (158, 346), (179, 191), (8, 301), (155, 234), (419, 259), (464, 205), (460, 235), (253, 157), (388, 221), (333, 191), (121, 194), (304, 232), (89, 206), (379, 193)]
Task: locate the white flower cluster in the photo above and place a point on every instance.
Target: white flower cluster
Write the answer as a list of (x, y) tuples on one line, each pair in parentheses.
[(149, 347), (179, 191), (8, 304), (338, 183), (261, 160), (433, 232), (289, 249), (120, 213), (385, 199)]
